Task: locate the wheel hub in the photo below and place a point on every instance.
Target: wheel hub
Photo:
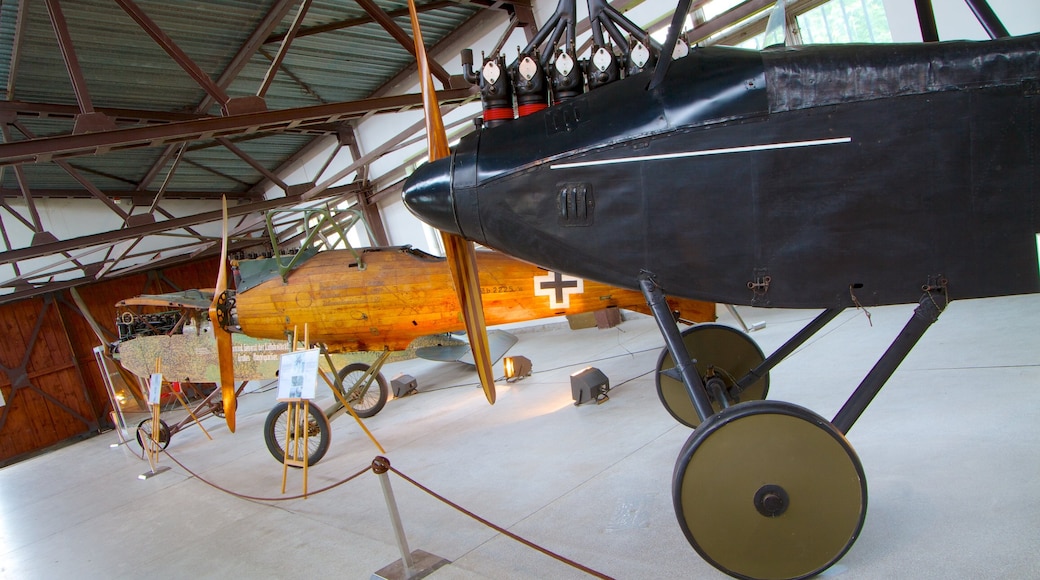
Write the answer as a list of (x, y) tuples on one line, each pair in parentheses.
[(722, 356), (771, 501)]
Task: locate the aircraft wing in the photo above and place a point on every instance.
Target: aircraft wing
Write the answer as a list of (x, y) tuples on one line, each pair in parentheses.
[(197, 299), (500, 342)]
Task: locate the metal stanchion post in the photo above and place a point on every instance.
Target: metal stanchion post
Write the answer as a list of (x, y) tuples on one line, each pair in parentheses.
[(412, 565), (395, 520)]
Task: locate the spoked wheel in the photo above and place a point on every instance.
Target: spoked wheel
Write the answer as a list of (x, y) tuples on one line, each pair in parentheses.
[(319, 432), (769, 489), (724, 355), (216, 405), (144, 432), (366, 401)]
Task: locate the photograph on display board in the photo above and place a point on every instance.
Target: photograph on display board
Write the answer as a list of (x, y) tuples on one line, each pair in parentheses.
[(298, 375), (154, 388)]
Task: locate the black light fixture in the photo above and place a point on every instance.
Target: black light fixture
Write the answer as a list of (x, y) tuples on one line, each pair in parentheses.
[(589, 384), (403, 385), (516, 368)]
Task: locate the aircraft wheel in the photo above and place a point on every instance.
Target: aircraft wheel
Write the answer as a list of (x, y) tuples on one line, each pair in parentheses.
[(319, 432), (769, 489), (365, 402), (724, 354), (144, 432), (216, 405)]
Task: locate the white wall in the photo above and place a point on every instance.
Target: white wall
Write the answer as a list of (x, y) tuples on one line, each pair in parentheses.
[(73, 218), (954, 20), (403, 229)]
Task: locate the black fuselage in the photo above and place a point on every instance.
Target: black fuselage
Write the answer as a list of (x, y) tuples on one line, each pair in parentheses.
[(821, 176)]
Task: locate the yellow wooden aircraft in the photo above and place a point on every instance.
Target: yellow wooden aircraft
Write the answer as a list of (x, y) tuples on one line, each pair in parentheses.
[(365, 306), (399, 299)]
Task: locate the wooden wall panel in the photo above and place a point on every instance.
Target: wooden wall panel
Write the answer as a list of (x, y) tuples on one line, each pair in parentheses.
[(49, 377), (41, 378)]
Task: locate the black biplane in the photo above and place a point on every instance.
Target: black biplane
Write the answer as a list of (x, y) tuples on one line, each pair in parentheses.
[(823, 177)]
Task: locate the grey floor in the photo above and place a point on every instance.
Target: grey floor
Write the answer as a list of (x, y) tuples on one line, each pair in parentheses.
[(951, 449)]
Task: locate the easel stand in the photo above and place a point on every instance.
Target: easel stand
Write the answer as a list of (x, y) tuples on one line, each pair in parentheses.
[(152, 445), (296, 434)]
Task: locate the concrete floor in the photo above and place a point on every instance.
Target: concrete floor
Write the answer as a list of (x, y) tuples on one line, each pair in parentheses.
[(951, 449)]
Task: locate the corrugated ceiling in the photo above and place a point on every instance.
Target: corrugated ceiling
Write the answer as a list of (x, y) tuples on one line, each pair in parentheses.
[(341, 53), (124, 68)]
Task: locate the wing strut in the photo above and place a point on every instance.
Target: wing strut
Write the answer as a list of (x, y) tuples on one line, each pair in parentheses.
[(460, 253)]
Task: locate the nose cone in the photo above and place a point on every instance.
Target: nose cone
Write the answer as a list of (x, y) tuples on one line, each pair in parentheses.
[(427, 194)]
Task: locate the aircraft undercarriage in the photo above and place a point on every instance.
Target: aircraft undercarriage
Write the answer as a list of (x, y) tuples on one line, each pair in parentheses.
[(766, 489), (359, 385)]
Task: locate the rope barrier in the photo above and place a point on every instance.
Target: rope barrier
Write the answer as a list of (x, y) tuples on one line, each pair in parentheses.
[(384, 463), (255, 498), (381, 465)]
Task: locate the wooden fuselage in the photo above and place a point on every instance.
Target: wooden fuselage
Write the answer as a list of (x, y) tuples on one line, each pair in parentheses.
[(822, 176), (402, 294)]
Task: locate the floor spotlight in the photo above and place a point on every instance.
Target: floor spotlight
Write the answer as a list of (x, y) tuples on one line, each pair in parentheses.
[(403, 385), (589, 384), (516, 367)]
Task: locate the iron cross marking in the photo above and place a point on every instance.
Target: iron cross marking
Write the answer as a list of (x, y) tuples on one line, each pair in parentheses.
[(558, 288)]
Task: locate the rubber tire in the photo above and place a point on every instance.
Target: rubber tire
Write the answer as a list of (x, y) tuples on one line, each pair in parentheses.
[(164, 433), (384, 390), (275, 426)]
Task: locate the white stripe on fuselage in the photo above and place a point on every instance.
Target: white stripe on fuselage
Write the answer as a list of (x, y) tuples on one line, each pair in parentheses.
[(705, 152), (1038, 252)]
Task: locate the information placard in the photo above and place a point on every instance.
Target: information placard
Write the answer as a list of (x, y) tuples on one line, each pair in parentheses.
[(298, 374), (155, 388)]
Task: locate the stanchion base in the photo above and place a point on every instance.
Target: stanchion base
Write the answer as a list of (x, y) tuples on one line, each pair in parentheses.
[(423, 564), (148, 474)]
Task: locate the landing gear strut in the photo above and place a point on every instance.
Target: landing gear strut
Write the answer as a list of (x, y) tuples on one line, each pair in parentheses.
[(724, 355), (766, 489), (361, 386)]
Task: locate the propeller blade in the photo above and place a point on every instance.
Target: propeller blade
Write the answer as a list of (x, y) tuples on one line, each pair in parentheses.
[(436, 136), (224, 355), (461, 256), (462, 260)]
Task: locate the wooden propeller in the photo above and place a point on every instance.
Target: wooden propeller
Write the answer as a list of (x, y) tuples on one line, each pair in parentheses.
[(459, 252), (224, 355)]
